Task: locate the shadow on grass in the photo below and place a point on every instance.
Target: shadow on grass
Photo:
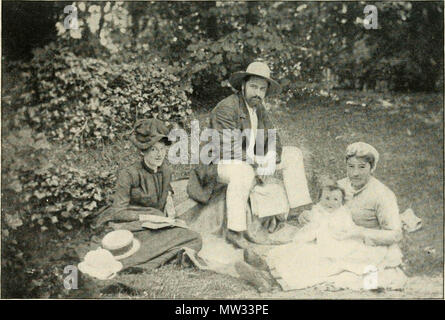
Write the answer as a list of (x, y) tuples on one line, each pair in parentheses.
[(411, 165)]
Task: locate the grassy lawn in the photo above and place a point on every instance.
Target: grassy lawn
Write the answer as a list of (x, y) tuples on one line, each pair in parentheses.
[(411, 164), (411, 158)]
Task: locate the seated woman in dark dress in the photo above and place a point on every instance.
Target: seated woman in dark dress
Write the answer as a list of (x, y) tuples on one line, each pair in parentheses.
[(142, 188)]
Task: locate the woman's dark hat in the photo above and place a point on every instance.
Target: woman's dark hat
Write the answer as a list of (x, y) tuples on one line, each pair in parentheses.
[(149, 131)]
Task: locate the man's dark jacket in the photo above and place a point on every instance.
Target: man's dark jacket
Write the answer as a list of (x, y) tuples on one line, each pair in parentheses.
[(230, 113)]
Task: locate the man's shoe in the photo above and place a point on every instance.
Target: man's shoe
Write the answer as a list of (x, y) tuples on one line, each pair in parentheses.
[(295, 212), (279, 226), (262, 239), (272, 225)]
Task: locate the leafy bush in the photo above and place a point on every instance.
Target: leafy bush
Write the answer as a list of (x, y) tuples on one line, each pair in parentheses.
[(223, 38), (42, 202), (17, 93), (300, 41), (88, 101), (40, 194)]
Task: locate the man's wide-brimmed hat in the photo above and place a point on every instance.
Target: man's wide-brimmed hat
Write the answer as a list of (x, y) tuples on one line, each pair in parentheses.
[(149, 131), (258, 69)]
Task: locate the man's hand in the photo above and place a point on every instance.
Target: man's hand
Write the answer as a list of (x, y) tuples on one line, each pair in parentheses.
[(266, 164), (274, 223)]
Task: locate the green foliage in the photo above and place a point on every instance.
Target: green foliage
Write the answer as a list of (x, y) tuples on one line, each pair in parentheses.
[(88, 101), (300, 41), (41, 194), (203, 42), (40, 201), (406, 58), (137, 60), (17, 93)]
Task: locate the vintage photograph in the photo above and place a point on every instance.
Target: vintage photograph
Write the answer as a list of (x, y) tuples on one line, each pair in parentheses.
[(222, 150)]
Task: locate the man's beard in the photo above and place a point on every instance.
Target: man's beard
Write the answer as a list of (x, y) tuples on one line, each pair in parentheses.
[(255, 102)]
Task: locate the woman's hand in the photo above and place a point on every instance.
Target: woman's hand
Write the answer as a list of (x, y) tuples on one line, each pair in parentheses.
[(350, 233)]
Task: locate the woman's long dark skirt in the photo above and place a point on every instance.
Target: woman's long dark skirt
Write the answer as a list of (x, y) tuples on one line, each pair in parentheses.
[(159, 247)]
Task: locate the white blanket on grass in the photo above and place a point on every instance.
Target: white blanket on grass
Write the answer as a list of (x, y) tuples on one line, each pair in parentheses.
[(301, 265), (317, 257)]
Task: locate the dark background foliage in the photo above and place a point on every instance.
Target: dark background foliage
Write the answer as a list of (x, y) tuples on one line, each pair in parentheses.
[(68, 94)]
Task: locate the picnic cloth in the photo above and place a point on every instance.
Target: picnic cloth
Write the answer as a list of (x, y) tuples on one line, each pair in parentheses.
[(158, 247), (209, 221), (307, 265), (316, 257)]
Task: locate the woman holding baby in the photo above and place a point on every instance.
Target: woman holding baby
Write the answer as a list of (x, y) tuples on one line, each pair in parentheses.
[(352, 231), (373, 206)]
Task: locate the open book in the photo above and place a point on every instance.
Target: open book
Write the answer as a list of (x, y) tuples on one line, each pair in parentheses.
[(154, 222)]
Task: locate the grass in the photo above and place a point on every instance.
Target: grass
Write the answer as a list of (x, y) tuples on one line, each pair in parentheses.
[(410, 141), (411, 165), (174, 282)]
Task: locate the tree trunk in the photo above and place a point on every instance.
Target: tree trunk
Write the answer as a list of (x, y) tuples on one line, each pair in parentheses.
[(208, 20), (252, 16)]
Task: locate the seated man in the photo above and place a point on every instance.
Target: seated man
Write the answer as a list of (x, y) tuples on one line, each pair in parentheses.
[(249, 147)]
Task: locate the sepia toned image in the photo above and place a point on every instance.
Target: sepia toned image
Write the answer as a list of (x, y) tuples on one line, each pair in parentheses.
[(222, 150)]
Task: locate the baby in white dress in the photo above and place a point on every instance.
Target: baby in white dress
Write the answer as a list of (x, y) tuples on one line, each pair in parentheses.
[(327, 217), (318, 252)]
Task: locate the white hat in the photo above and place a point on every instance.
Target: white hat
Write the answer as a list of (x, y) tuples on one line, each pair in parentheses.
[(100, 264), (121, 244), (258, 69)]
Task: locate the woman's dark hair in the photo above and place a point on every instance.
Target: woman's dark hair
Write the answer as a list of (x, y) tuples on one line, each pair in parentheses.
[(164, 141), (367, 158)]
